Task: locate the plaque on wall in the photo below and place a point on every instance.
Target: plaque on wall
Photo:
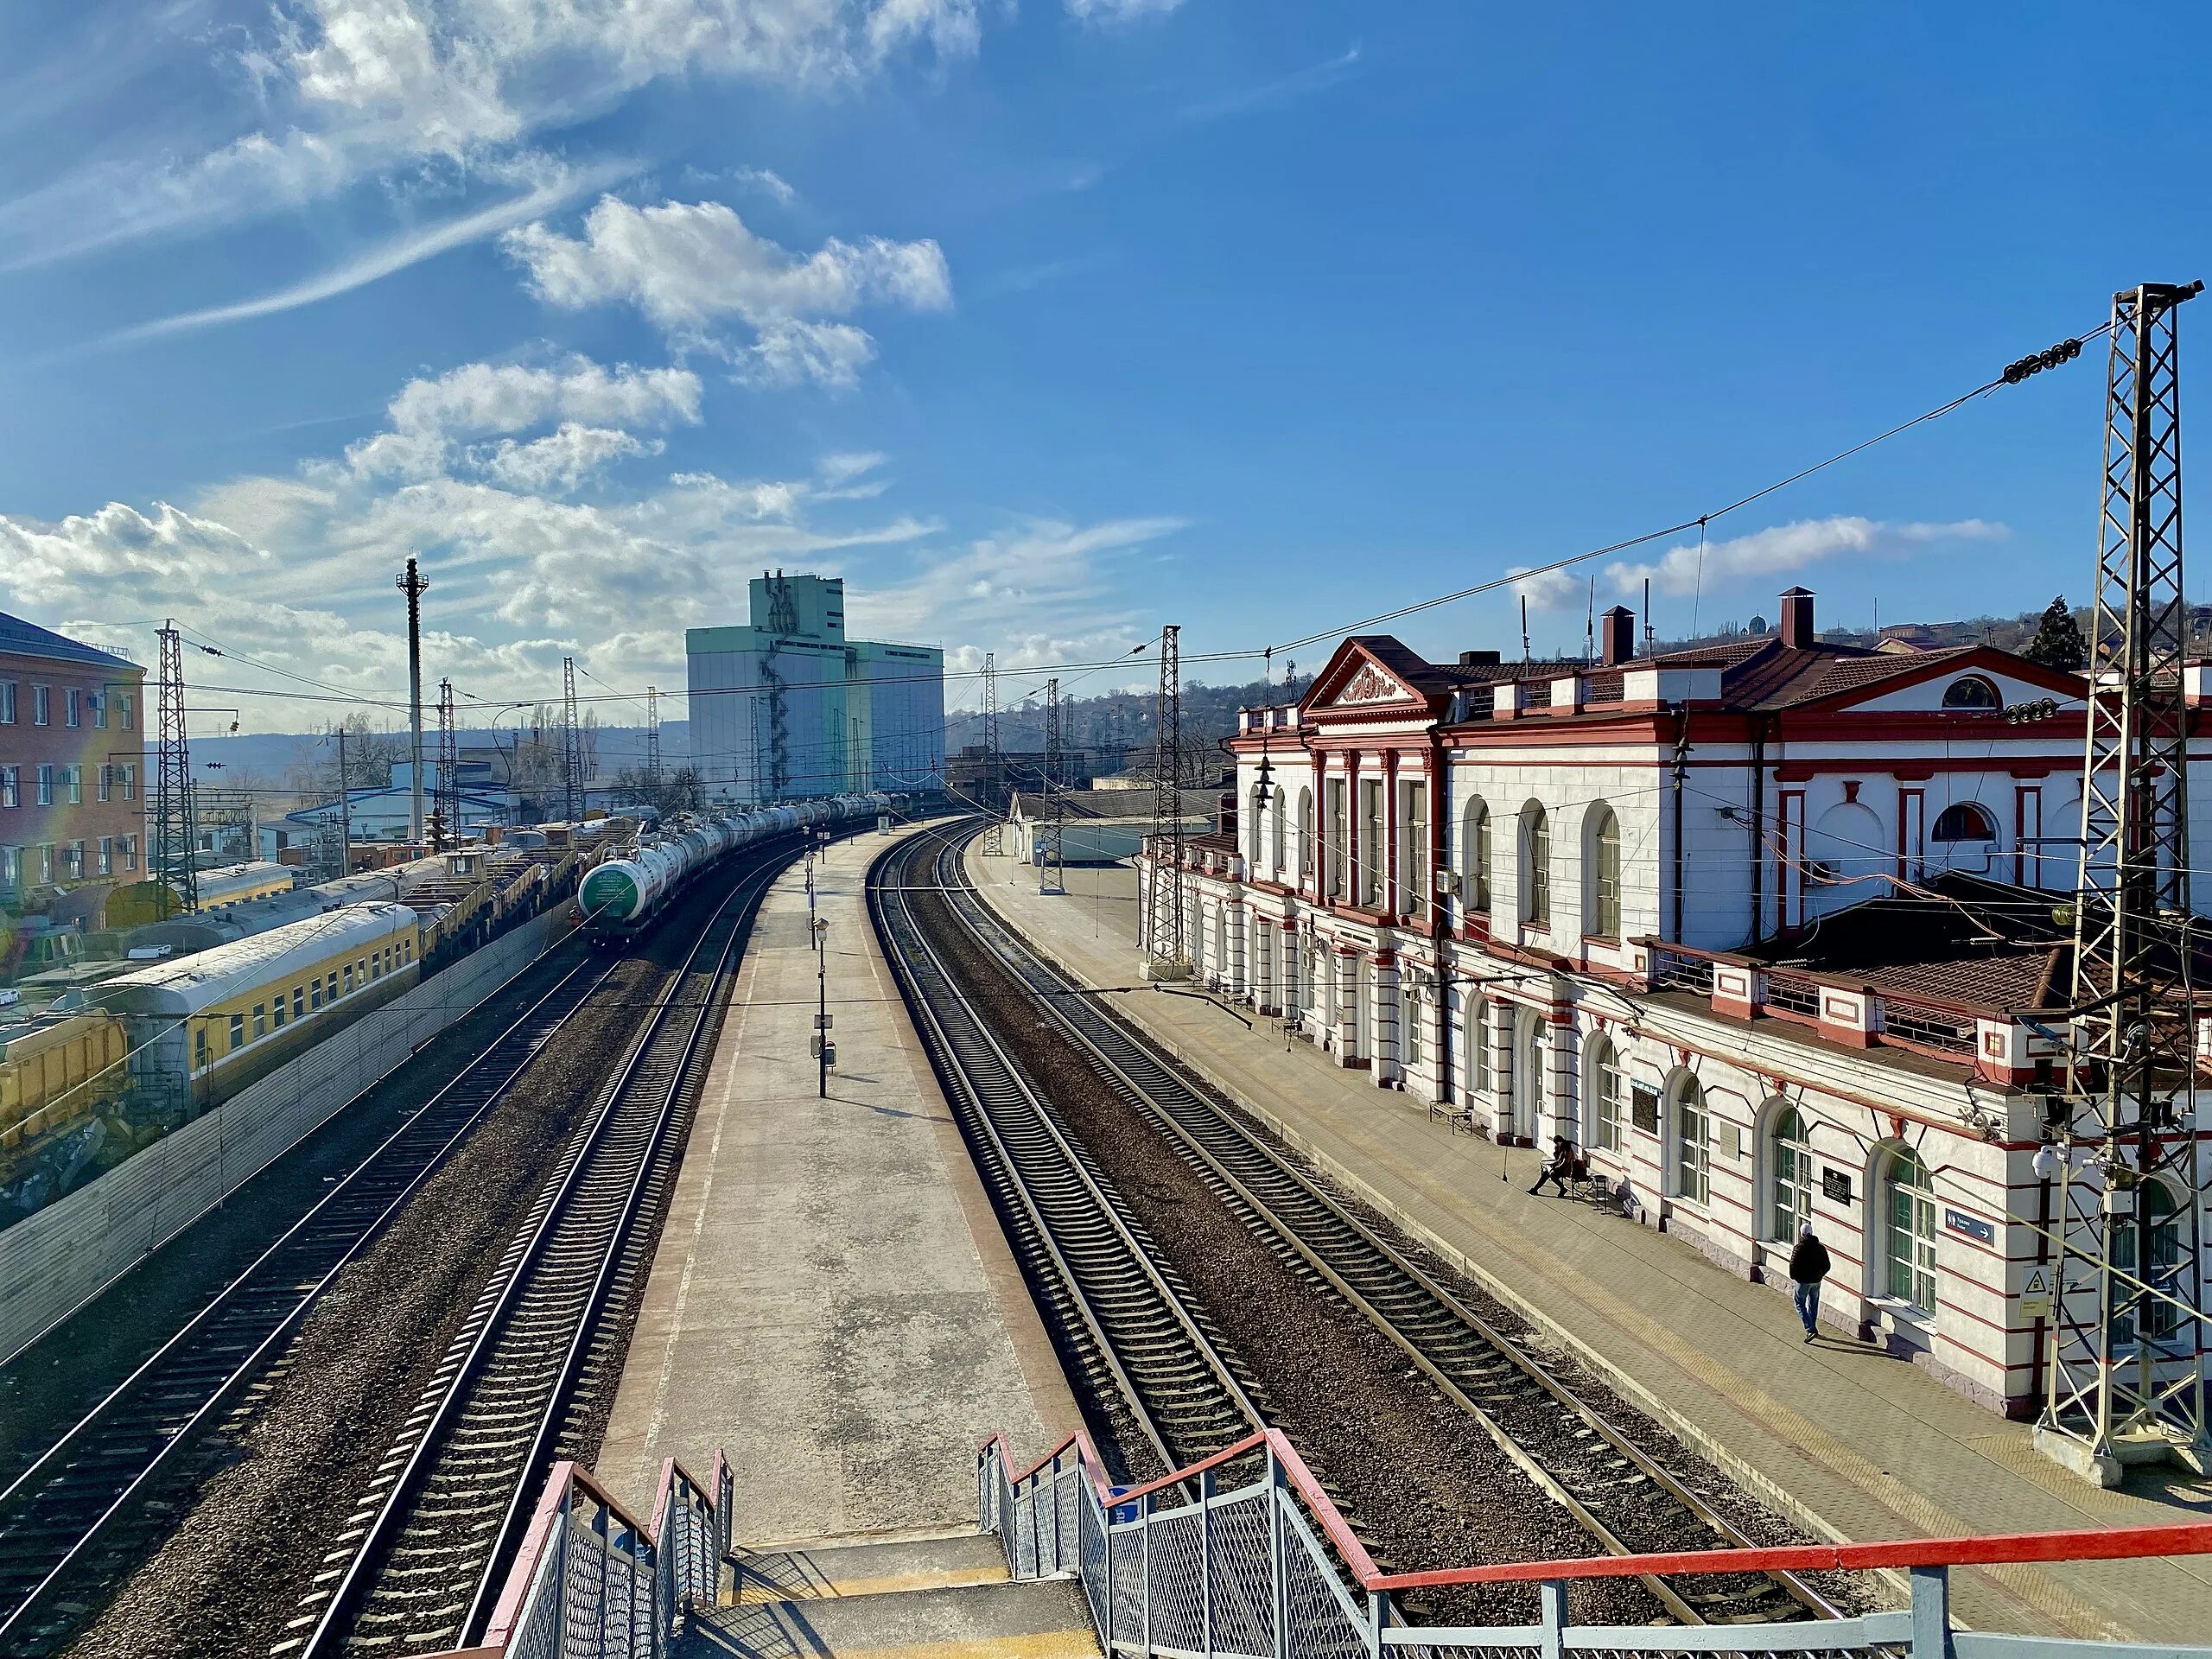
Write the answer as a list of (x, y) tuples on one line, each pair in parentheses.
[(1644, 1108), (1835, 1185)]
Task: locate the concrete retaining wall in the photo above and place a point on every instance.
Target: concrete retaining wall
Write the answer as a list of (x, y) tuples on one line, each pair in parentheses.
[(53, 1262)]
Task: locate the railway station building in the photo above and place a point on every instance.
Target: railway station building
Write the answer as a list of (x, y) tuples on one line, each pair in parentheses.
[(788, 708), (1762, 928)]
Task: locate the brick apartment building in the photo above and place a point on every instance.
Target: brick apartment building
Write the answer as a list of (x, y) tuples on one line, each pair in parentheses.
[(73, 812)]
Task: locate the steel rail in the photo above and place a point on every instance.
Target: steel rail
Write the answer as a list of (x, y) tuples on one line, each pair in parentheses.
[(1407, 1303), (479, 1377), (1169, 1371), (54, 1516)]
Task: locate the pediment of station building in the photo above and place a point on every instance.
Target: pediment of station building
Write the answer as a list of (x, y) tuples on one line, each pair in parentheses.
[(1356, 681)]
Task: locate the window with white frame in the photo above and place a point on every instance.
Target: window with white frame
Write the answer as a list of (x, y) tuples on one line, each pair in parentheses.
[(41, 705), (2159, 1269), (1477, 1044), (73, 785), (1601, 873), (1791, 1155), (1277, 833), (1536, 866), (107, 854), (1335, 828), (1474, 856), (1254, 815), (99, 711), (1607, 1092), (7, 702), (11, 785), (45, 797), (1305, 835), (1908, 1219), (1409, 1034), (1692, 1143), (1413, 848), (130, 780), (1371, 844), (74, 706), (130, 852), (106, 783)]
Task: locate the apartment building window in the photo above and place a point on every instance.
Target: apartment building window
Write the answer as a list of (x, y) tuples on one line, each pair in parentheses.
[(74, 867), (46, 864), (106, 783), (1413, 849), (7, 702), (129, 771), (1371, 842), (45, 797), (72, 705), (126, 710), (130, 852), (41, 705), (107, 854), (73, 783), (11, 785), (99, 711)]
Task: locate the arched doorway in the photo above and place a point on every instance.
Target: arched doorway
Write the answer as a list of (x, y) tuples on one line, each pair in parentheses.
[(1530, 1050), (1905, 1223)]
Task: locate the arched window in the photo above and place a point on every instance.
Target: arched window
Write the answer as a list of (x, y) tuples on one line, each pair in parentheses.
[(1971, 691), (1252, 832), (1536, 866), (1478, 1044), (1788, 1148), (1474, 856), (1692, 1143), (1410, 1014), (1606, 1090), (1908, 1221), (1278, 825), (1305, 835), (1601, 873), (2160, 1222), (1963, 822)]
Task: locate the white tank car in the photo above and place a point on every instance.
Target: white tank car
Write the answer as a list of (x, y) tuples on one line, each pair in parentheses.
[(623, 896)]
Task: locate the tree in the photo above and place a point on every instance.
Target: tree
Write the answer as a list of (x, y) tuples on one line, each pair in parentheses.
[(2058, 642)]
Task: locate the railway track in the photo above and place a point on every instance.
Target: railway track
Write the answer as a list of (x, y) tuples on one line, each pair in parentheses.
[(77, 1512), (1624, 1498), (423, 1555), (1122, 1316)]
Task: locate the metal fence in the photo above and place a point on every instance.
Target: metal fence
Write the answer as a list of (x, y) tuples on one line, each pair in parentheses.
[(1244, 1557), (591, 1580)]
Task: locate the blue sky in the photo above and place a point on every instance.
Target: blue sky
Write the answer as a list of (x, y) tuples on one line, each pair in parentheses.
[(1046, 324)]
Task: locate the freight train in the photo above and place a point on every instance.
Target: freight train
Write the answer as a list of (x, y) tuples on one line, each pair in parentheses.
[(623, 897)]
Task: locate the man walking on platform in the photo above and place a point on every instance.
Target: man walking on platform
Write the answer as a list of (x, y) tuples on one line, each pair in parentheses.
[(1809, 1265)]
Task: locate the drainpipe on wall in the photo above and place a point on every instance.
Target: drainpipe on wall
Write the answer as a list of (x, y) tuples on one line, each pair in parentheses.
[(1758, 830), (1682, 768)]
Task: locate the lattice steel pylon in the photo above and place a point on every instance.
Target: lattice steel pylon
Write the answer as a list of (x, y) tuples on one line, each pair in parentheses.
[(447, 810), (572, 745), (1166, 952), (995, 833), (170, 858), (2127, 1338), (652, 734), (1052, 865)]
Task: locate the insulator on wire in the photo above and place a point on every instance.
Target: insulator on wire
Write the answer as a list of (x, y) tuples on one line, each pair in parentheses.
[(2036, 362)]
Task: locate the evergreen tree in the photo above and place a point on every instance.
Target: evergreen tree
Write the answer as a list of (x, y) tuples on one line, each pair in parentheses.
[(2058, 643)]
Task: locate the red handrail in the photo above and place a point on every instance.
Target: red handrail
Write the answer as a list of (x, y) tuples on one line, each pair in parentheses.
[(2085, 1544)]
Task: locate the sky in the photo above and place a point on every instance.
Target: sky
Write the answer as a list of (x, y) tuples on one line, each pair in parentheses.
[(1047, 324)]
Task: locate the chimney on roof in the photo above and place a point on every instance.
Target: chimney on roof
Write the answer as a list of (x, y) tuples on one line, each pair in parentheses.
[(1797, 617), (1478, 660), (1619, 635)]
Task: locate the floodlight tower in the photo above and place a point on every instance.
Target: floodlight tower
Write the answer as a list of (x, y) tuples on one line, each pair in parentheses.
[(2127, 1338)]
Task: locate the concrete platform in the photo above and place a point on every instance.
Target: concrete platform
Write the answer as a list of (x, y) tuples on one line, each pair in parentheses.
[(1045, 1619), (832, 1301), (1852, 1444)]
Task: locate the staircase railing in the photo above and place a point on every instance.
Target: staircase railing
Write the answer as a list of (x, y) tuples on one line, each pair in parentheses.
[(589, 1579), (1266, 1568)]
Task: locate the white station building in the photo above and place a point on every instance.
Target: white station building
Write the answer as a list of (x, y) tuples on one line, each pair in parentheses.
[(1700, 914)]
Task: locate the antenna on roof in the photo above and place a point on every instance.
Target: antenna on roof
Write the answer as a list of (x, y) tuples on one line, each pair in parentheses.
[(1590, 627), (1524, 630), (1650, 643)]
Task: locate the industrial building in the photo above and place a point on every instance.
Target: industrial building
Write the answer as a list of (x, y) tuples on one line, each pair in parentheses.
[(787, 707), (71, 821)]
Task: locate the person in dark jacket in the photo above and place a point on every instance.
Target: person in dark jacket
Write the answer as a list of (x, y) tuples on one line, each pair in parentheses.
[(1809, 1265), (1556, 1172)]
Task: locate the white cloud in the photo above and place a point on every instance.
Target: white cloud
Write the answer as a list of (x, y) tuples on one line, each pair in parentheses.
[(1118, 11), (355, 89), (561, 461), (1546, 590), (692, 266), (768, 182), (478, 399), (1784, 548)]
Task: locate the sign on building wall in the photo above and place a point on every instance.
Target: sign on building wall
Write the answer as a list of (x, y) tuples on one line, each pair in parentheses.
[(1973, 1226), (1835, 1185), (1643, 1106)]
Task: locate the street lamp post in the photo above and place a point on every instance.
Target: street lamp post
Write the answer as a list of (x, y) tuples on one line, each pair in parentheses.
[(822, 1050)]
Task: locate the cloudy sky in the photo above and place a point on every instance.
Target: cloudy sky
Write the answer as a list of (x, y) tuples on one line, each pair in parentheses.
[(1045, 322)]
